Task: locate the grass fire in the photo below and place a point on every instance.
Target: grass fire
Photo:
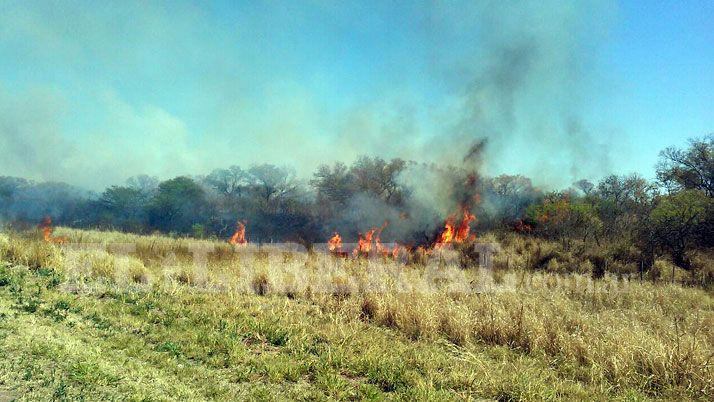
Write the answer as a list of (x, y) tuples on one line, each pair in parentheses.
[(342, 201)]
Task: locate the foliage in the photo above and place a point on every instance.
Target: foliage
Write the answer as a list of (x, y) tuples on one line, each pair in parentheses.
[(561, 217), (178, 204), (679, 222), (691, 168), (618, 212)]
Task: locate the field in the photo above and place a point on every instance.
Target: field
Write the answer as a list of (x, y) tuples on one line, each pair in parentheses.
[(182, 319)]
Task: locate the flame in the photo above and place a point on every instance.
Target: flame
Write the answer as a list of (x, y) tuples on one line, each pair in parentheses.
[(238, 237), (454, 234), (371, 240), (46, 226), (462, 233), (335, 243), (447, 235), (523, 227), (378, 242), (395, 251), (364, 244)]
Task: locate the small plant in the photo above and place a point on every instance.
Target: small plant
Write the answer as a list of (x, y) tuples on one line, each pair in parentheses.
[(171, 348), (341, 288), (261, 284), (369, 308)]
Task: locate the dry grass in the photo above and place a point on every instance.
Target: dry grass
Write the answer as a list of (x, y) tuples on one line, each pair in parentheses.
[(615, 335)]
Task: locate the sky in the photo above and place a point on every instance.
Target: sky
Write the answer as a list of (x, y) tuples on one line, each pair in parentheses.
[(92, 93)]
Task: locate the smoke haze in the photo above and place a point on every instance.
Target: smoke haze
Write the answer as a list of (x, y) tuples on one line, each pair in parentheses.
[(161, 90)]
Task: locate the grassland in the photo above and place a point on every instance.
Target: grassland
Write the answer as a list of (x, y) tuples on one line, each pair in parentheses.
[(179, 319)]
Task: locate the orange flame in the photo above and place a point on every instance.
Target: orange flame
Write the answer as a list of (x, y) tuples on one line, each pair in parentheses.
[(371, 240), (335, 243), (364, 244), (447, 235), (462, 233), (238, 237), (395, 251), (46, 226), (378, 242), (335, 246), (452, 234), (523, 227)]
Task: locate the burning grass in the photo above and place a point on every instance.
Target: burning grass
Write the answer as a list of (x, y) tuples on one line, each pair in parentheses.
[(251, 321)]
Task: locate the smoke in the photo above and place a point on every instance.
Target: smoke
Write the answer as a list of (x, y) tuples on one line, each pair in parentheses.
[(525, 87), (178, 98), (30, 137)]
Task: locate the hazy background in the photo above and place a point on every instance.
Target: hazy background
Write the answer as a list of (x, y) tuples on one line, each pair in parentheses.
[(92, 93)]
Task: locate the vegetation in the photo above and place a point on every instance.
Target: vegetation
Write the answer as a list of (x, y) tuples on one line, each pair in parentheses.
[(156, 322), (671, 218), (601, 291)]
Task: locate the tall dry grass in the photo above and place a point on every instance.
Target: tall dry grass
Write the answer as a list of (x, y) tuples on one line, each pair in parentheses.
[(614, 331)]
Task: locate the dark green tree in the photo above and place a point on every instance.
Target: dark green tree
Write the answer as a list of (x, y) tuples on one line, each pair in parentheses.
[(178, 204), (680, 221)]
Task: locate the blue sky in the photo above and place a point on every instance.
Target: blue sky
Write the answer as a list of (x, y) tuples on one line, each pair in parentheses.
[(92, 93)]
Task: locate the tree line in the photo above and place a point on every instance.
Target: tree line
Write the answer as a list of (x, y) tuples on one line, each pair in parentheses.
[(672, 214)]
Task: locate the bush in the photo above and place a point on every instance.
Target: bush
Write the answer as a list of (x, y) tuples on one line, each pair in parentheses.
[(261, 284)]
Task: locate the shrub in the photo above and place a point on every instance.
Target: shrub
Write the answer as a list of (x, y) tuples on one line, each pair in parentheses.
[(341, 288), (369, 308), (261, 284)]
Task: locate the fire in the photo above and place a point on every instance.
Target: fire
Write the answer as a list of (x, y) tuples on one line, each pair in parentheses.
[(454, 234), (378, 242), (462, 233), (523, 227), (238, 237), (370, 241), (335, 243), (46, 226), (395, 251), (364, 244), (447, 235), (335, 246)]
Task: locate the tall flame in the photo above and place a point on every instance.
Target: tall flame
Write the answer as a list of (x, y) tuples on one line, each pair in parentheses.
[(447, 235), (46, 226), (364, 243), (335, 243), (454, 234), (462, 233), (238, 237), (378, 242)]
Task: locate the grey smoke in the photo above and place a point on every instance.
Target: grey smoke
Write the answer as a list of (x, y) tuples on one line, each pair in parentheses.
[(522, 79), (525, 89)]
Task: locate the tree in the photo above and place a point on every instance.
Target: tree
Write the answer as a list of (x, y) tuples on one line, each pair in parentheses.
[(511, 196), (691, 168), (334, 184), (560, 216), (623, 203), (679, 222), (144, 183), (273, 183), (124, 207), (378, 177), (586, 186), (231, 182), (179, 203)]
